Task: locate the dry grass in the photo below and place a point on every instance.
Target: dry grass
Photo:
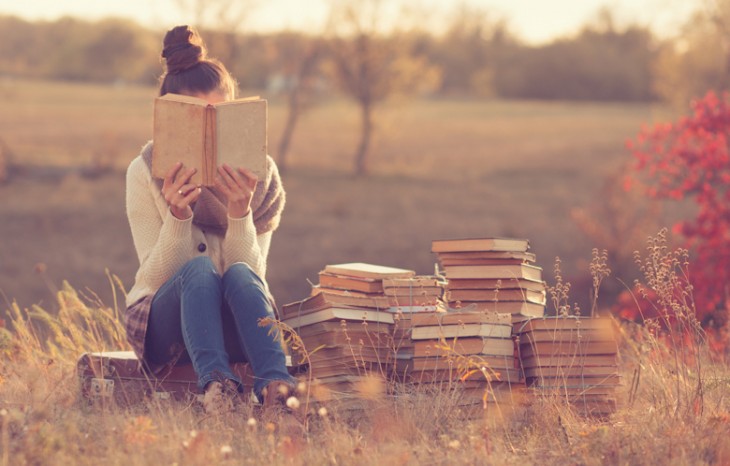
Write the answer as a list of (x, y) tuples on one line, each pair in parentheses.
[(44, 420)]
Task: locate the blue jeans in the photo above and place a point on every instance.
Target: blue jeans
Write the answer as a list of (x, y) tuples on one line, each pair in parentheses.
[(212, 321)]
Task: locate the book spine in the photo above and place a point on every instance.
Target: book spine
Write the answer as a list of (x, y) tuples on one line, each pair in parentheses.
[(209, 158)]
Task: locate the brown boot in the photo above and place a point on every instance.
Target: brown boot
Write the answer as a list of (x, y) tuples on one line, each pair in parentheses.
[(286, 418), (218, 398), (276, 393)]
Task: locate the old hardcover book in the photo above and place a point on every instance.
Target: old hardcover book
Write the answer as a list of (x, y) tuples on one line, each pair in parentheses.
[(204, 136), (480, 244), (353, 339), (587, 335), (339, 327), (599, 391), (323, 300), (317, 289), (531, 296), (578, 381), (444, 375), (578, 349), (451, 262), (363, 270), (519, 310), (413, 282), (441, 363), (524, 271), (487, 255), (459, 317), (567, 322), (335, 313), (412, 309), (355, 353), (570, 371), (465, 346), (462, 330), (495, 283), (365, 285), (414, 291), (573, 360), (342, 365)]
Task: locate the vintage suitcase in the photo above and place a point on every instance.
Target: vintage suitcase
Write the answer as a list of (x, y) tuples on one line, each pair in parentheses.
[(118, 376)]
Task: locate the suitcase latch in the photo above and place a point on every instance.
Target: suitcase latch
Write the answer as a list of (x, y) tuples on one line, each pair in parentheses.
[(102, 387)]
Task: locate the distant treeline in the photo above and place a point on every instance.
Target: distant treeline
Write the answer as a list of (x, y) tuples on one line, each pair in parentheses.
[(474, 57)]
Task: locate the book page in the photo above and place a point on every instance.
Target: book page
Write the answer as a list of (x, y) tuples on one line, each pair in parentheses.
[(178, 136), (241, 135)]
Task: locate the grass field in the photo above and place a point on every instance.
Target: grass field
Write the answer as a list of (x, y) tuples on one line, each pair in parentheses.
[(672, 410), (440, 169)]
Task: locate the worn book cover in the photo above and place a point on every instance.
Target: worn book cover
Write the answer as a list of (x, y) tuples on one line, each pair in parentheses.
[(465, 346), (523, 271), (372, 271), (538, 297), (204, 136), (480, 244)]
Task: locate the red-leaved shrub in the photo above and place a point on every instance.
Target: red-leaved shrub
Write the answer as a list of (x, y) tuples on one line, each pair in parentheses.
[(690, 159)]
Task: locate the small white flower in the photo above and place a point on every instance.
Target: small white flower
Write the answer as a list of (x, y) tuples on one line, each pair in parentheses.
[(454, 444), (322, 411), (226, 451), (292, 402), (251, 422)]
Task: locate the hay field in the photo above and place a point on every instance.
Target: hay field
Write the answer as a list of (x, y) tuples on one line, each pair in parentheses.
[(440, 169)]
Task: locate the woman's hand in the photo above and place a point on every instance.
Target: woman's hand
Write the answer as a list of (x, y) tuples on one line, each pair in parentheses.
[(179, 192), (238, 185)]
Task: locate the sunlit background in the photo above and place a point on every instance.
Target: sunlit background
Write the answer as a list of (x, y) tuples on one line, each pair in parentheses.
[(533, 21)]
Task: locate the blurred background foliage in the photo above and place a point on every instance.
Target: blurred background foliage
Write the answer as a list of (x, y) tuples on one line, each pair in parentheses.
[(477, 54)]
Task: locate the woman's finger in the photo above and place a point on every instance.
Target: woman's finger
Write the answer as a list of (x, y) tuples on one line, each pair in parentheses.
[(227, 179), (171, 174), (235, 175), (192, 195), (250, 178), (184, 177)]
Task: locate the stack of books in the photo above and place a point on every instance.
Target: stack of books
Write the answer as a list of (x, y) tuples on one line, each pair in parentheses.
[(470, 351), (416, 291), (346, 327), (492, 275), (417, 294), (571, 358)]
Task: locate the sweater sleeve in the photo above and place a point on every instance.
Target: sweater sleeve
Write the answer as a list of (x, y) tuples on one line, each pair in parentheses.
[(241, 244), (163, 242)]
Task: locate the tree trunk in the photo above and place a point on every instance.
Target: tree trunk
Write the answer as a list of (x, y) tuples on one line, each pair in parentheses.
[(364, 147), (291, 122)]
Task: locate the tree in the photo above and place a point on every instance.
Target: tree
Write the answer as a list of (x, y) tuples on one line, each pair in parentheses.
[(602, 62), (698, 59), (371, 66), (220, 23), (298, 58), (469, 50), (690, 159)]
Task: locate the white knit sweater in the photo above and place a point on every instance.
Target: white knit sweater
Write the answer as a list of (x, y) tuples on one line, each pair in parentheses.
[(164, 243)]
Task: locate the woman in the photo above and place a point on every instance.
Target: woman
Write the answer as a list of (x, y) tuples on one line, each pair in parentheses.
[(200, 290)]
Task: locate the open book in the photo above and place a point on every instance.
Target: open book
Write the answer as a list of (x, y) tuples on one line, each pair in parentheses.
[(204, 136)]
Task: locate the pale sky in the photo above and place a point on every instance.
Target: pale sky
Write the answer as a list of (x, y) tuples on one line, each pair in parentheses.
[(535, 21)]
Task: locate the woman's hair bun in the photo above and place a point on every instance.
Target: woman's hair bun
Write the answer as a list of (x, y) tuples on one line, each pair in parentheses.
[(182, 49)]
